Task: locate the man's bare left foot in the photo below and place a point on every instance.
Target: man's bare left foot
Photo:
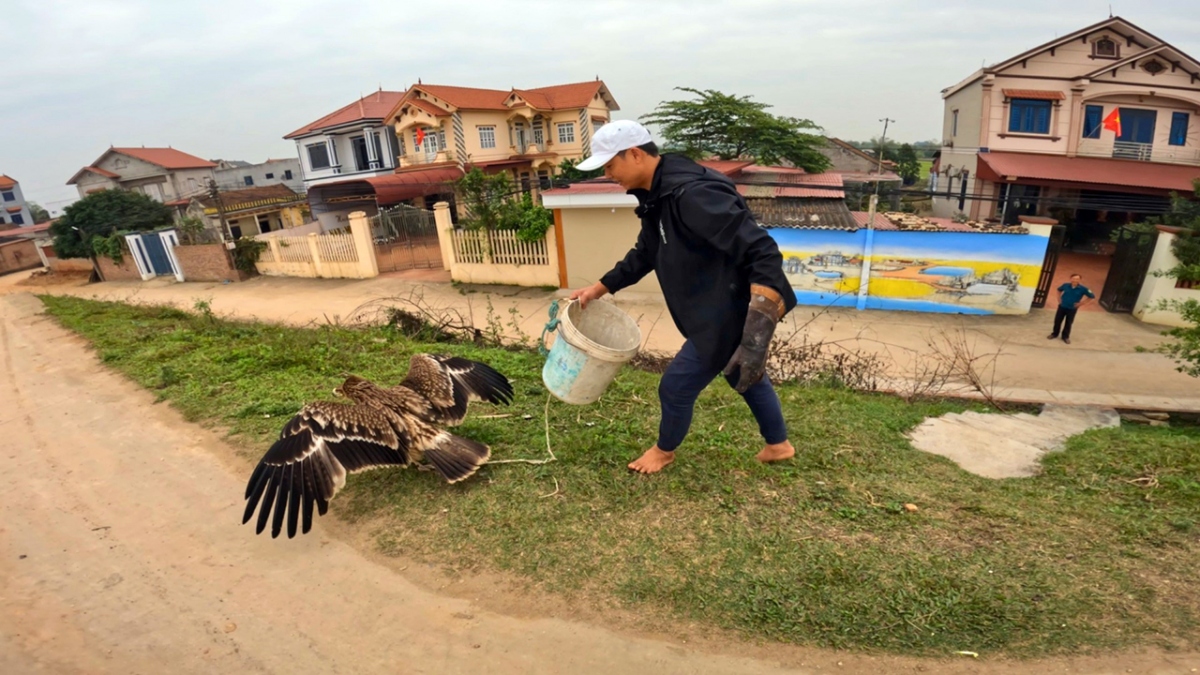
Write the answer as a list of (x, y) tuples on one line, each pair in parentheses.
[(652, 461), (776, 453)]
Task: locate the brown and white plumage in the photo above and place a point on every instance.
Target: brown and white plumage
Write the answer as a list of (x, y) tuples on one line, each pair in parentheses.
[(381, 428)]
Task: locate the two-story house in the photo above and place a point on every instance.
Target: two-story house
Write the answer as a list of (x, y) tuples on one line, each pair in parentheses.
[(435, 133), (236, 174), (350, 144), (165, 174), (13, 209), (1095, 128)]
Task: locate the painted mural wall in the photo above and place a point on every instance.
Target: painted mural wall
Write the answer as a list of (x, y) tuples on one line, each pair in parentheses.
[(947, 272)]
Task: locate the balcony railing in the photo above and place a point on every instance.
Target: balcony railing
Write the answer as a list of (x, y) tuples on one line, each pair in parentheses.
[(1143, 152), (419, 158)]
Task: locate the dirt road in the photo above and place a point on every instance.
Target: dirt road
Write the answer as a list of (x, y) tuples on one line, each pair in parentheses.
[(121, 550)]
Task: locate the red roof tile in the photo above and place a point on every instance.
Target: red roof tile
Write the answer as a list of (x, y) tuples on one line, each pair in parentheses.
[(15, 209), (167, 158), (1118, 173), (370, 107), (1037, 94), (102, 172), (727, 167), (562, 96), (397, 187), (428, 107), (6, 182), (466, 97)]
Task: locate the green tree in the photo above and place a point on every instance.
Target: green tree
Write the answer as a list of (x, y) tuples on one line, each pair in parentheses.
[(40, 214), (568, 171), (907, 164), (732, 127), (492, 203), (99, 216)]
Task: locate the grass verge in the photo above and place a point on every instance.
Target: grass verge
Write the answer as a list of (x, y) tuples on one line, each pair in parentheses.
[(1098, 552)]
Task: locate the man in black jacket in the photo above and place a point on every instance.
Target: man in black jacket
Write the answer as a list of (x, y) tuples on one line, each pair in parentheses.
[(720, 273)]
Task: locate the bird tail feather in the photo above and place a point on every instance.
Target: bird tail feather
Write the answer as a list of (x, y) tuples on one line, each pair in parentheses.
[(457, 458)]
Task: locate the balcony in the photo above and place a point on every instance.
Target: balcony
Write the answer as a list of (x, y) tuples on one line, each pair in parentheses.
[(425, 158), (1142, 152)]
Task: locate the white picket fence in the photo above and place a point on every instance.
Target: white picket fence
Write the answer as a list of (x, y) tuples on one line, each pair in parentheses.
[(331, 255), (500, 247)]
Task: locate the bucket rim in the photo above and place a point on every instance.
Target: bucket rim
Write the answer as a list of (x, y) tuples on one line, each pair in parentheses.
[(576, 337)]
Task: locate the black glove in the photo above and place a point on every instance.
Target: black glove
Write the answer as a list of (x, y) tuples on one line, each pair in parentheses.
[(766, 309)]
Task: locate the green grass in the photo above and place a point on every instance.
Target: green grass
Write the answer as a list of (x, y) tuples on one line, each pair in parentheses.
[(926, 165), (1098, 552)]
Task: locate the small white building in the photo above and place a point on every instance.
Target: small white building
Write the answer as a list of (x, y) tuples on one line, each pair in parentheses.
[(236, 175), (13, 209)]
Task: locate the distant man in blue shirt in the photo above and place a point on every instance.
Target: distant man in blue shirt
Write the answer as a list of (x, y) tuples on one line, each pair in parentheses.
[(1071, 297)]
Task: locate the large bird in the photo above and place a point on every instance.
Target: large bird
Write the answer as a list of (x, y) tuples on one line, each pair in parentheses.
[(379, 428)]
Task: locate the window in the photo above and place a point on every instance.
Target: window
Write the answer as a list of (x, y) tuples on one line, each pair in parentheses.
[(18, 219), (361, 161), (249, 180), (264, 224), (1105, 48), (10, 197), (954, 123), (544, 179), (3, 221), (487, 137), (1179, 128), (318, 156), (1093, 116), (1029, 116), (270, 176), (287, 175), (235, 230), (566, 132)]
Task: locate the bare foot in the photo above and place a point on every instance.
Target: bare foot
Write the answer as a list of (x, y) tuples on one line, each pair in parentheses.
[(776, 453), (652, 461)]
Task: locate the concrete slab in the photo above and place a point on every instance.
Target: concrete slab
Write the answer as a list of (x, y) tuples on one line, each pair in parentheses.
[(1006, 446)]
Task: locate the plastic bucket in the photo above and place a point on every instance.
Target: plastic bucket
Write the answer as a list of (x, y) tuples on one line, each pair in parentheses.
[(591, 347)]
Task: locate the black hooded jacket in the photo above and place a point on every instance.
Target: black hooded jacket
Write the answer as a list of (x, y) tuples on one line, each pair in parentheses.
[(703, 244)]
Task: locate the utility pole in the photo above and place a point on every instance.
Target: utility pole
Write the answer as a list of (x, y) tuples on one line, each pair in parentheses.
[(869, 245), (215, 194), (882, 145)]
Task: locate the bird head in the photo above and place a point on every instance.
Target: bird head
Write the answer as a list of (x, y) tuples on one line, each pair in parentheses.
[(353, 388)]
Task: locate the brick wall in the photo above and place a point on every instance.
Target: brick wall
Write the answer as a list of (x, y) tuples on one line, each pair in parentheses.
[(18, 255), (206, 262), (126, 271), (63, 265)]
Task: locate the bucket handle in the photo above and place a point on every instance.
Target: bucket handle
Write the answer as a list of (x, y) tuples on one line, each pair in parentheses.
[(551, 326)]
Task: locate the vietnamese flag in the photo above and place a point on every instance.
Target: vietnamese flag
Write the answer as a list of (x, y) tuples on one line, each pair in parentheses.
[(1113, 121), (421, 132)]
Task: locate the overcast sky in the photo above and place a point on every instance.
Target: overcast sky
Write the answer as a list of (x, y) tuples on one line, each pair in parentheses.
[(228, 78)]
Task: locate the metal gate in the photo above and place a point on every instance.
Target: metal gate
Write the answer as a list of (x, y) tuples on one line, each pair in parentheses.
[(1058, 235), (1130, 263), (406, 238)]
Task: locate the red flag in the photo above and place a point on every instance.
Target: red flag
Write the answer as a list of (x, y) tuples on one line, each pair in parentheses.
[(421, 134), (1113, 121)]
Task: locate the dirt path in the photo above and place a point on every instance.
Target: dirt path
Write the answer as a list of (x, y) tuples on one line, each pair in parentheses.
[(121, 551)]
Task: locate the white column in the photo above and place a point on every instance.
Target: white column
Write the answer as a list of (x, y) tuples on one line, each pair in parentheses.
[(331, 148)]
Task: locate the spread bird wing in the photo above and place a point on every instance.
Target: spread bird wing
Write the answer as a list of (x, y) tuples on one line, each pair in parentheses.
[(307, 466), (449, 383)]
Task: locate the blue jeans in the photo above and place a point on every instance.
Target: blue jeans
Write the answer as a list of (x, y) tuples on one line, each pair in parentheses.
[(681, 385)]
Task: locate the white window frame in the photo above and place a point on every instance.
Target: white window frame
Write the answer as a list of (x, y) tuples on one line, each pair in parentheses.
[(484, 131), (566, 132)]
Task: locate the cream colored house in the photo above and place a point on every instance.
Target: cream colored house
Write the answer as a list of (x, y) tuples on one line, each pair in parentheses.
[(527, 132), (1027, 136)]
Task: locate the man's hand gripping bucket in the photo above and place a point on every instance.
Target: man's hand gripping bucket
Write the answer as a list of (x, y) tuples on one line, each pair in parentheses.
[(591, 346)]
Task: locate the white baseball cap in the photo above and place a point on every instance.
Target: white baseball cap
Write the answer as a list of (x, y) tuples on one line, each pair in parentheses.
[(613, 138)]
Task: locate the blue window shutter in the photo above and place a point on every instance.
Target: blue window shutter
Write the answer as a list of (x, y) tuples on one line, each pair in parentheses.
[(1179, 128), (1093, 117), (1042, 123), (1014, 116)]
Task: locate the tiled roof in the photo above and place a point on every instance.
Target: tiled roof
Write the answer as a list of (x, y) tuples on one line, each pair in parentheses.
[(370, 107), (102, 172), (394, 188), (1125, 173), (850, 148), (6, 182), (859, 177), (15, 209), (726, 166), (467, 97), (255, 196), (562, 96), (167, 158), (1037, 94), (428, 107), (775, 191)]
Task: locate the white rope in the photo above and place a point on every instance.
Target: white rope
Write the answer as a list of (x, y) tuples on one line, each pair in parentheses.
[(549, 450)]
